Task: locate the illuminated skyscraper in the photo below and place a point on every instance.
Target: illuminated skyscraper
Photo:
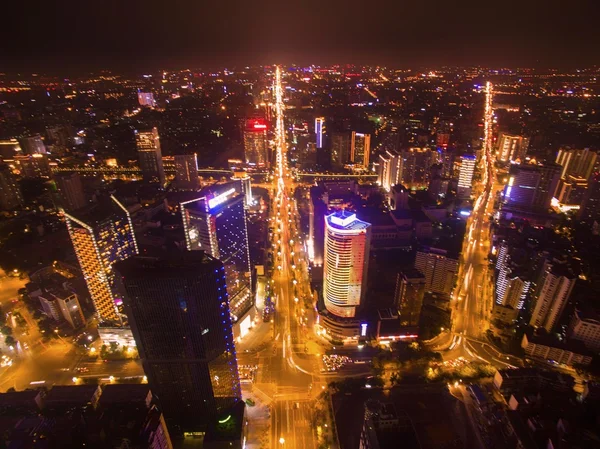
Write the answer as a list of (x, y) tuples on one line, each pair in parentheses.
[(531, 186), (33, 145), (102, 236), (246, 185), (256, 148), (150, 156), (439, 268), (512, 147), (360, 149), (10, 194), (347, 246), (71, 190), (186, 171), (389, 170), (552, 295), (465, 177), (146, 99), (179, 317), (319, 131), (216, 223), (578, 163)]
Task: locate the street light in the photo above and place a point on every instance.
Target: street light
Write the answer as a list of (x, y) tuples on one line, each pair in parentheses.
[(281, 440)]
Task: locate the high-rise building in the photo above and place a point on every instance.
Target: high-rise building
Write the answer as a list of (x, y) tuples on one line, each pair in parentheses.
[(340, 149), (146, 99), (179, 316), (389, 170), (408, 298), (319, 131), (512, 147), (246, 186), (440, 270), (33, 145), (579, 163), (216, 223), (102, 236), (398, 198), (34, 165), (590, 206), (553, 292), (70, 189), (585, 327), (347, 246), (531, 186), (360, 149), (150, 156), (256, 148), (415, 169), (465, 177), (186, 171), (10, 194)]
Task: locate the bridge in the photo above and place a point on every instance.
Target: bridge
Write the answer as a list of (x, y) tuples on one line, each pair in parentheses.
[(130, 170), (365, 176)]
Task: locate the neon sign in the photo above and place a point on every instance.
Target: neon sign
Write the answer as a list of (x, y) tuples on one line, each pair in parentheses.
[(260, 126), (220, 199)]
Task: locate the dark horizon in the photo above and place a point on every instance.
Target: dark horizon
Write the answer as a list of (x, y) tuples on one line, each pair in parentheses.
[(145, 36)]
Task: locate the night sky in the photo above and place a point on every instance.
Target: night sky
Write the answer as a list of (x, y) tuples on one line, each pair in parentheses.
[(64, 35)]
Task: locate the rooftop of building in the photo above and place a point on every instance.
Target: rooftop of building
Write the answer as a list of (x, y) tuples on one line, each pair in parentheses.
[(105, 208), (345, 220), (77, 395), (169, 264), (124, 394), (545, 339)]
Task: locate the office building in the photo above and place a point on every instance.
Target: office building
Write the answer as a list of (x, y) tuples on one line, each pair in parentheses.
[(360, 149), (439, 268), (347, 246), (102, 235), (70, 190), (179, 315), (511, 148), (245, 186), (585, 327), (553, 292), (150, 156), (256, 147), (186, 171), (33, 145), (465, 177), (408, 297), (570, 193), (389, 170), (10, 194), (146, 99), (216, 223), (60, 304), (317, 209), (416, 164), (34, 165), (579, 163), (398, 197), (319, 131), (340, 149), (531, 186)]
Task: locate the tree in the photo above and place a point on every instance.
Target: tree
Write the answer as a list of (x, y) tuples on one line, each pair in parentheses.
[(114, 346), (10, 341), (6, 330)]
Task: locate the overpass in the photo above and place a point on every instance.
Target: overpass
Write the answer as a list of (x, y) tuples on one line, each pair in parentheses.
[(365, 176), (130, 170)]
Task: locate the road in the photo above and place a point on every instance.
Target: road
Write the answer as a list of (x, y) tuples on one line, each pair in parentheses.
[(473, 298)]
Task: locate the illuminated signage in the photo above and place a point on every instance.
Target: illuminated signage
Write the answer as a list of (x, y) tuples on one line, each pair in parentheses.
[(260, 126), (220, 199), (363, 329)]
